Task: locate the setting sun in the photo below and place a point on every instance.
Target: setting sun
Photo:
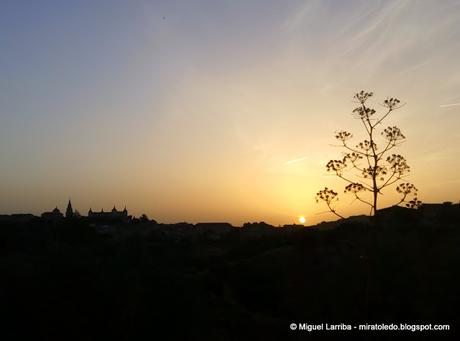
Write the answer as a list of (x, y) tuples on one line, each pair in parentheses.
[(302, 220)]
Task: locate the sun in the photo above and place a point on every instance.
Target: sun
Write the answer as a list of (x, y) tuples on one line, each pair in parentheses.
[(302, 219)]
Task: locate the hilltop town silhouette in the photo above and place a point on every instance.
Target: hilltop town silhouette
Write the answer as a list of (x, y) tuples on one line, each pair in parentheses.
[(113, 216)]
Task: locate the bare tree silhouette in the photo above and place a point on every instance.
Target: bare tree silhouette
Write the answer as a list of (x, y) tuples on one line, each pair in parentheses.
[(375, 168)]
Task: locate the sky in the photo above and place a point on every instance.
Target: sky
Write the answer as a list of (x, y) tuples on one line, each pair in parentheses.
[(218, 110)]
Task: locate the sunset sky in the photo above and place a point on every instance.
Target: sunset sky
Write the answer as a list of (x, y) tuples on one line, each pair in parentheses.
[(217, 110)]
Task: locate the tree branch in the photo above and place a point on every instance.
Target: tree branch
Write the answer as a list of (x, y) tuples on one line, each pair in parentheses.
[(353, 150), (379, 155), (380, 120), (352, 182), (333, 211), (388, 180), (403, 199), (363, 201), (391, 183)]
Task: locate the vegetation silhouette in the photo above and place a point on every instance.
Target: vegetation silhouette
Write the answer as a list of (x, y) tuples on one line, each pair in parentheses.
[(376, 169)]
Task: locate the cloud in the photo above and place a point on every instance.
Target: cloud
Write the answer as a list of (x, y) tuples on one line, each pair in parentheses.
[(449, 105), (300, 159)]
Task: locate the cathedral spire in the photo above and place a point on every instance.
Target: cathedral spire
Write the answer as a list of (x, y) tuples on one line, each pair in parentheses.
[(69, 210)]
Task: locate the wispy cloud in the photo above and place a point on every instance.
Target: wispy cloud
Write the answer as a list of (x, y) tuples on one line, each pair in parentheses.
[(449, 105), (300, 159)]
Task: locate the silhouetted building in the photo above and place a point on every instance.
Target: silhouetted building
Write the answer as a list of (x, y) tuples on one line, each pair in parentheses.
[(69, 210), (52, 216), (18, 218), (112, 216)]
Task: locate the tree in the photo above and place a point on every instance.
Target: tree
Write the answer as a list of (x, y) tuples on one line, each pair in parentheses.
[(375, 168)]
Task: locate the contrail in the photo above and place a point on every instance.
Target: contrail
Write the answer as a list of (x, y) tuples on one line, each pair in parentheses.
[(296, 160), (449, 105)]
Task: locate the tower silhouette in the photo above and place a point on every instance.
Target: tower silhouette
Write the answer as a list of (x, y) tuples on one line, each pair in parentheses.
[(69, 210)]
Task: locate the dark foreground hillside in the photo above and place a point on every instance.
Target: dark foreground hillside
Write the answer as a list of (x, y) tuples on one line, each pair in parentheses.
[(69, 282)]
